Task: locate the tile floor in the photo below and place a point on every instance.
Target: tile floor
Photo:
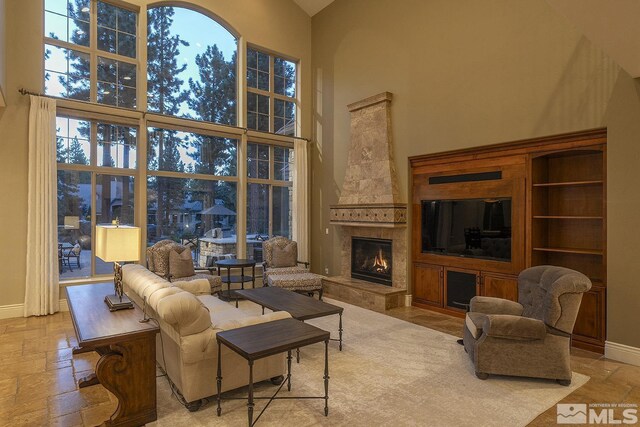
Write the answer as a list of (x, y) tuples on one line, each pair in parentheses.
[(38, 373)]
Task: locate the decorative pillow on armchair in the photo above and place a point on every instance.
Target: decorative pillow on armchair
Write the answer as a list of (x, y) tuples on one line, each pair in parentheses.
[(286, 256), (181, 264)]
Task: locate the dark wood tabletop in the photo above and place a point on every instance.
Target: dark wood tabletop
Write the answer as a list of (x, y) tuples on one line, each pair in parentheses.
[(94, 324), (231, 263), (300, 307), (266, 339)]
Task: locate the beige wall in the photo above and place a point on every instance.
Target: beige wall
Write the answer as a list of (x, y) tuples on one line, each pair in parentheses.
[(2, 52), (277, 25), (471, 73)]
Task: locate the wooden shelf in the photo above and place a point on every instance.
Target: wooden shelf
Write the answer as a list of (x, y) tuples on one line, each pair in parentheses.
[(565, 217), (571, 251), (568, 184)]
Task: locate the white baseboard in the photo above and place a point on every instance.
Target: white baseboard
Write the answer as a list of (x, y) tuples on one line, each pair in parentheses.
[(407, 300), (622, 353), (17, 310)]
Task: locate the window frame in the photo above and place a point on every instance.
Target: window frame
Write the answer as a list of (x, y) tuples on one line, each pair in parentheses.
[(93, 51), (271, 181), (142, 119), (96, 170), (271, 92)]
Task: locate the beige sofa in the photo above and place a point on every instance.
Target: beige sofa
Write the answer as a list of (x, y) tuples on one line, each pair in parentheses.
[(189, 318)]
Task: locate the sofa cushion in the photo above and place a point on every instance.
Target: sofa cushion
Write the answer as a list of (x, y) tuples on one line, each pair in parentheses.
[(180, 264), (474, 322), (285, 257)]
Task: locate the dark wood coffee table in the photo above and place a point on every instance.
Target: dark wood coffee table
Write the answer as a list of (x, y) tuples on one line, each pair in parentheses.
[(267, 339), (300, 307)]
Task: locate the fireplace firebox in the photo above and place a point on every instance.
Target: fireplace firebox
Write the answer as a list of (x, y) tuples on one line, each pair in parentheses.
[(371, 259)]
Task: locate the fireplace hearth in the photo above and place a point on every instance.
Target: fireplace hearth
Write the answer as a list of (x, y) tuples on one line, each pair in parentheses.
[(371, 259)]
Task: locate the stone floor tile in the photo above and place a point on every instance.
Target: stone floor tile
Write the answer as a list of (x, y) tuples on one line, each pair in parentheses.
[(69, 420), (45, 384), (67, 403), (8, 387), (13, 370), (97, 414), (626, 374), (44, 344), (30, 419), (85, 361), (10, 407)]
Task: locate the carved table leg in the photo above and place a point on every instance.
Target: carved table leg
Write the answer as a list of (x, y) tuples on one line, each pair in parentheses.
[(127, 370)]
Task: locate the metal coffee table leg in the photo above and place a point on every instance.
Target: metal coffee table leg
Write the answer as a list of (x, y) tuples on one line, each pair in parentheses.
[(219, 379), (326, 378), (289, 370), (340, 331), (250, 403)]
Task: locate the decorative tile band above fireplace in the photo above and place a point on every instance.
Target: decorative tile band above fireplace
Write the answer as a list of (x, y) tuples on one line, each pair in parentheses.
[(369, 215)]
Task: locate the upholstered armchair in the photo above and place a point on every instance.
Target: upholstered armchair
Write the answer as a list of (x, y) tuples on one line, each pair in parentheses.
[(280, 256), (531, 337), (173, 262)]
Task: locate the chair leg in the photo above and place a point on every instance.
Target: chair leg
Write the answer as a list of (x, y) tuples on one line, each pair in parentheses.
[(320, 294), (565, 383)]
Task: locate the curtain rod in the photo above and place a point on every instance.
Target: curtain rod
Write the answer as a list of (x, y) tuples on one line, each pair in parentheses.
[(24, 91)]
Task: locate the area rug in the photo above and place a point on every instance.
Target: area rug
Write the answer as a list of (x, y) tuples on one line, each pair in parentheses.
[(389, 373)]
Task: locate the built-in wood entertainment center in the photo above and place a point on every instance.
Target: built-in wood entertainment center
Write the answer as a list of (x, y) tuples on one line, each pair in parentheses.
[(480, 216)]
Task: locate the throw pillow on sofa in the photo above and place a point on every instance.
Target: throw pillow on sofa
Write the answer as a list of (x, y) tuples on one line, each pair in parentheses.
[(181, 264), (286, 256)]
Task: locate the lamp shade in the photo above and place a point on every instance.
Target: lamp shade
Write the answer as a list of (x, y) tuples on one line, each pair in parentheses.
[(117, 243)]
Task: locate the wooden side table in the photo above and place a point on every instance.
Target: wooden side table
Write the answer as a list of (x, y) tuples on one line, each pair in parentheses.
[(127, 349)]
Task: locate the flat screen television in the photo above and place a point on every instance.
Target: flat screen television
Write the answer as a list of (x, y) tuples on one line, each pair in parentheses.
[(473, 228)]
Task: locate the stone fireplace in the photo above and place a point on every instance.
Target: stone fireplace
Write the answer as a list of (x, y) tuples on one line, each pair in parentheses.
[(370, 209)]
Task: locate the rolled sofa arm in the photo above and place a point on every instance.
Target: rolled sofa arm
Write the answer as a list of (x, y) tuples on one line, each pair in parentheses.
[(490, 305), (184, 312), (514, 327)]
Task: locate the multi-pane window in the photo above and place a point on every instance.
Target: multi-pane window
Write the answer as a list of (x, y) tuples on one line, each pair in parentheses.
[(96, 185), (271, 93), (191, 187), (269, 194), (69, 52), (91, 53)]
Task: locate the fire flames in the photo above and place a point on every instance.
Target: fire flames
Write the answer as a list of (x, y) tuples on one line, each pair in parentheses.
[(380, 264)]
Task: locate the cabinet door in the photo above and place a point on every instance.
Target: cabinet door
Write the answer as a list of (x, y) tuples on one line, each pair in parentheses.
[(498, 286), (589, 325), (427, 284)]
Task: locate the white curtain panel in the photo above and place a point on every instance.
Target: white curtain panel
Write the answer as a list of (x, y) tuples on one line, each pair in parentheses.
[(42, 288), (301, 198)]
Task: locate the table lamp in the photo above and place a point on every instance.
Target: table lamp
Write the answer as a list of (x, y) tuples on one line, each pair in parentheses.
[(117, 243)]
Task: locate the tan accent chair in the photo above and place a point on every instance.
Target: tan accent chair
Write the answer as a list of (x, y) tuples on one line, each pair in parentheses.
[(158, 262), (532, 337), (280, 256)]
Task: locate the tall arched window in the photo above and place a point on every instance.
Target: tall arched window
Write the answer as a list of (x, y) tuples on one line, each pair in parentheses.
[(191, 66)]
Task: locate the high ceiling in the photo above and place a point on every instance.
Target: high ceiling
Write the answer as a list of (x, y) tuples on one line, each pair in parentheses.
[(313, 6)]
